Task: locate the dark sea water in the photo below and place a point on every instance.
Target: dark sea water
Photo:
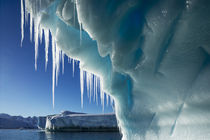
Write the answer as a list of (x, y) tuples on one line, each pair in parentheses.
[(41, 135)]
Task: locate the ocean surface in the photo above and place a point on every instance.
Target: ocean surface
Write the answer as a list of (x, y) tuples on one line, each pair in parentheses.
[(42, 135)]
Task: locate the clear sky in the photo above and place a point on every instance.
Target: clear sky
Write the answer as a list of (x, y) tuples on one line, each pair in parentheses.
[(24, 91)]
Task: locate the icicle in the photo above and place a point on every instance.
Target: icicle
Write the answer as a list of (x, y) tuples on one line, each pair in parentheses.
[(87, 84), (94, 88), (31, 25), (53, 71), (22, 22), (46, 36), (36, 39), (73, 66), (107, 99), (81, 85), (40, 34), (102, 96), (57, 62), (91, 86), (26, 13), (97, 82), (63, 54)]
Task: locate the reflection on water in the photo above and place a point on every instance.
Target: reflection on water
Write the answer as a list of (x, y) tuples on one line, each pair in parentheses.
[(82, 136), (41, 135)]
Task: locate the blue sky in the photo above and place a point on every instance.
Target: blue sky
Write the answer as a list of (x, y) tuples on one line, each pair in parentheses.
[(24, 91)]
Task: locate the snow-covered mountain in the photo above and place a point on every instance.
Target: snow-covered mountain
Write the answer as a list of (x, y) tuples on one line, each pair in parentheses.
[(17, 122)]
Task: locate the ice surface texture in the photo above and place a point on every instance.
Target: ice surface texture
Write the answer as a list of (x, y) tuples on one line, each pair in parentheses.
[(151, 56)]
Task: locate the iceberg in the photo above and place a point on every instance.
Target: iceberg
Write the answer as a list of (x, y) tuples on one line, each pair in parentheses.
[(81, 122), (151, 57)]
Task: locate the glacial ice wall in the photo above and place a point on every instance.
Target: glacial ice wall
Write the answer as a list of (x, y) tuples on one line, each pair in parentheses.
[(151, 56)]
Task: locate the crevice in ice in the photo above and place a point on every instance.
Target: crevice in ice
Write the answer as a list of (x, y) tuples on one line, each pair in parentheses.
[(176, 119), (166, 43)]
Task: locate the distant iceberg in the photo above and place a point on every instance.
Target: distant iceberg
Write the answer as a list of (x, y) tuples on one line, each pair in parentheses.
[(81, 122)]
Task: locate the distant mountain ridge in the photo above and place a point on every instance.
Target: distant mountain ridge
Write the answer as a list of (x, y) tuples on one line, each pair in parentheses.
[(65, 121), (17, 122)]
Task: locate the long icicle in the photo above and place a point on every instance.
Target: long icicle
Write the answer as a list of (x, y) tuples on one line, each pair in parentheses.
[(46, 36), (53, 72), (63, 55), (31, 25), (22, 22), (26, 13), (36, 40), (81, 85), (72, 67), (57, 62)]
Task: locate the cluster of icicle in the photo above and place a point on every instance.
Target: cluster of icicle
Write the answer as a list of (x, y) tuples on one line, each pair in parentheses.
[(92, 81)]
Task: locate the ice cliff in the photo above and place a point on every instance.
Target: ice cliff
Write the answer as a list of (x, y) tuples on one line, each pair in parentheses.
[(151, 56)]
